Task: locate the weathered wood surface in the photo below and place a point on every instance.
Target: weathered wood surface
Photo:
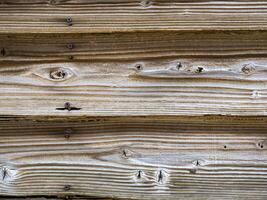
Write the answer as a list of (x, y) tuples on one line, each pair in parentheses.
[(146, 158), (56, 198), (34, 16), (138, 46), (152, 87)]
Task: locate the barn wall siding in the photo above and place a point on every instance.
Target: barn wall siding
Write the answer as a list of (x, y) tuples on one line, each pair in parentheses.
[(127, 99)]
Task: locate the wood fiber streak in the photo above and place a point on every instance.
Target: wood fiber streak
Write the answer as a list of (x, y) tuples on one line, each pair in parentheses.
[(125, 46), (49, 16), (224, 159), (160, 87)]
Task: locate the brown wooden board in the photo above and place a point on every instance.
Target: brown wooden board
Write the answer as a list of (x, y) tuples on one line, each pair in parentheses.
[(139, 158), (76, 16)]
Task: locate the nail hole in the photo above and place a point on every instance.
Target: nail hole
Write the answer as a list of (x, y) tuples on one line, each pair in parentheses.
[(71, 57), (139, 67), (225, 147)]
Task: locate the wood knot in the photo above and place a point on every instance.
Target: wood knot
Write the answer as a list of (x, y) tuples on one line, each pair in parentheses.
[(161, 177), (52, 2), (179, 66), (67, 188), (7, 174), (146, 3), (126, 153), (58, 74), (199, 70), (260, 144), (248, 69)]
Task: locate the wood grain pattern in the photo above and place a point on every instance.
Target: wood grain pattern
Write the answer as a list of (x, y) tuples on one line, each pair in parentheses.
[(147, 158), (49, 16), (222, 87), (126, 46)]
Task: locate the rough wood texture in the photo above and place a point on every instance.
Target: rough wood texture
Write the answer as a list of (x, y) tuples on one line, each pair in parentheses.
[(138, 46), (147, 158), (34, 16), (152, 87)]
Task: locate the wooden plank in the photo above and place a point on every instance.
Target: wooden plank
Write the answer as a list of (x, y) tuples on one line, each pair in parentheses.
[(50, 16), (199, 86), (140, 158), (117, 46)]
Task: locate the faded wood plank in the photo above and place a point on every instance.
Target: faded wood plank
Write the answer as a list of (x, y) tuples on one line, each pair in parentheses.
[(50, 16), (117, 46), (140, 158), (198, 86)]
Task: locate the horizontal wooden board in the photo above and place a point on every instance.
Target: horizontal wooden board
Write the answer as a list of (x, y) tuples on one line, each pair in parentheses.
[(131, 46), (138, 158), (51, 16), (199, 86)]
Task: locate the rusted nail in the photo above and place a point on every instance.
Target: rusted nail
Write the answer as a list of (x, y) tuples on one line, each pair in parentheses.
[(67, 106), (69, 21), (71, 57), (67, 187), (68, 132), (70, 46)]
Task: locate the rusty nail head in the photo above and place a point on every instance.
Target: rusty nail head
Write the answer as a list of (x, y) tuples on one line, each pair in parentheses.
[(70, 46), (69, 21)]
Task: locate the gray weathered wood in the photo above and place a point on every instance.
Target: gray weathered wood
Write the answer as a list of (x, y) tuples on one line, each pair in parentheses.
[(134, 46), (146, 158), (49, 16), (222, 87)]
